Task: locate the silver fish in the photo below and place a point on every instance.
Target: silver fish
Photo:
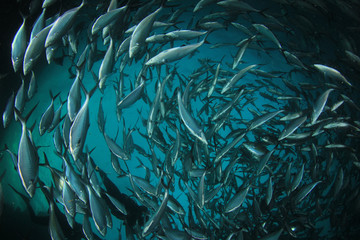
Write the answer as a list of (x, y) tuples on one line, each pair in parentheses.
[(74, 98), (236, 201), (9, 110), (291, 127), (115, 148), (97, 211), (32, 86), (236, 77), (304, 191), (18, 47), (189, 122), (332, 73), (132, 97), (107, 65), (28, 159), (155, 218), (263, 119), (105, 19), (173, 54), (141, 32), (79, 127), (119, 206), (47, 117), (20, 97), (55, 230), (38, 25), (62, 25), (319, 105), (262, 29)]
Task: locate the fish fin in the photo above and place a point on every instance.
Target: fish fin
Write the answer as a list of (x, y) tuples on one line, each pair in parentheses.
[(31, 129), (24, 120), (46, 161)]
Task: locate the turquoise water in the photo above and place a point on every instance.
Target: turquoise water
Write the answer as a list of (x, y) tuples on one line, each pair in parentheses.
[(324, 40)]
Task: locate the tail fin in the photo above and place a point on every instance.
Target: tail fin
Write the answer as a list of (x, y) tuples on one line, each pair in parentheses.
[(24, 120)]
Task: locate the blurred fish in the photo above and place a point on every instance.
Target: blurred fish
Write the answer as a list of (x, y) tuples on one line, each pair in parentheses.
[(9, 109)]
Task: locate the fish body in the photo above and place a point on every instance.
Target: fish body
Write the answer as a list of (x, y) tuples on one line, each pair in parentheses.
[(28, 159), (262, 29), (173, 54), (79, 128), (105, 19), (9, 109), (61, 26), (107, 65), (141, 32), (189, 122), (18, 47), (319, 105), (74, 99)]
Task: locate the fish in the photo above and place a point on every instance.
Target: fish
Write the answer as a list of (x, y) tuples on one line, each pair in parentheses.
[(100, 117), (57, 117), (189, 122), (35, 49), (152, 223), (263, 119), (18, 47), (236, 201), (79, 127), (319, 105), (304, 191), (292, 126), (38, 25), (173, 54), (332, 73), (263, 30), (108, 17), (115, 148), (184, 34), (28, 159), (132, 97), (74, 98), (20, 98), (117, 204), (236, 77), (9, 110), (242, 47), (141, 32), (32, 87), (48, 116), (107, 65), (55, 229), (62, 25)]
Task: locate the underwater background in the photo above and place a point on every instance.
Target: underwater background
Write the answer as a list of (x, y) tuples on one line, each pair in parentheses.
[(273, 156)]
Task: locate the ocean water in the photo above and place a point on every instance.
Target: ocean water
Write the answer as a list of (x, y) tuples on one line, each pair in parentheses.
[(320, 32)]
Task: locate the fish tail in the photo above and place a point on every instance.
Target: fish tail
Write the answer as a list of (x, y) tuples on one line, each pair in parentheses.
[(163, 3), (47, 164), (24, 119)]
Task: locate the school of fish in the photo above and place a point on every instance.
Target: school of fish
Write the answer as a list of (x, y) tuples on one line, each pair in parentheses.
[(258, 141)]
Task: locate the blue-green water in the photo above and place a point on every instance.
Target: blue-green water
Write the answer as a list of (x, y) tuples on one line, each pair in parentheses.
[(313, 33)]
